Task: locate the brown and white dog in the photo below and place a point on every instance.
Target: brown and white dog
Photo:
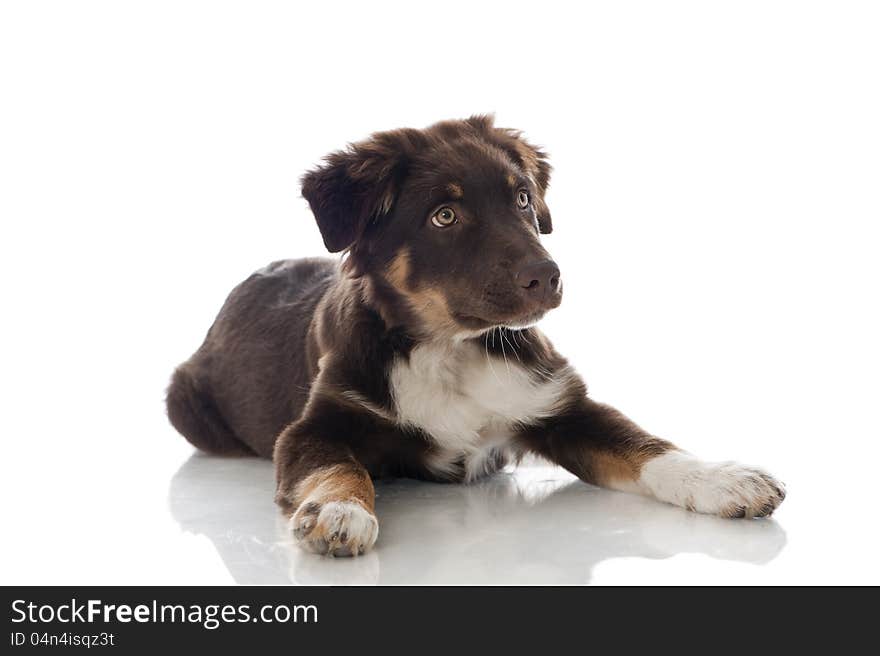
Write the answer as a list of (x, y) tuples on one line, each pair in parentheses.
[(416, 355)]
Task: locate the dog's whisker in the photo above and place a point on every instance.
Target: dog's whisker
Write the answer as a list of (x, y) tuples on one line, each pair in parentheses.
[(503, 352), (512, 347), (513, 336), (489, 359)]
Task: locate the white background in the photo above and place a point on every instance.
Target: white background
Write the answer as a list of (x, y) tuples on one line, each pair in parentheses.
[(715, 203)]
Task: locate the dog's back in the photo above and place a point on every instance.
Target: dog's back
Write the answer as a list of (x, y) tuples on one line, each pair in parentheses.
[(251, 376)]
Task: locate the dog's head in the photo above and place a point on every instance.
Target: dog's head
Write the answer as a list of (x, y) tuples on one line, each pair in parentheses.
[(444, 222)]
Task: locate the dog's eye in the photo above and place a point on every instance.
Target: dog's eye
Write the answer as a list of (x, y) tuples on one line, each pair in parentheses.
[(443, 217), (522, 199)]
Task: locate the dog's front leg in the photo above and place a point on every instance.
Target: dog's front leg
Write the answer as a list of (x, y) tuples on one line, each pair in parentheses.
[(603, 447), (322, 488)]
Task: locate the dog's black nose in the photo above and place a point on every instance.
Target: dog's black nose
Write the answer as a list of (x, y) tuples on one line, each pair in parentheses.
[(541, 279)]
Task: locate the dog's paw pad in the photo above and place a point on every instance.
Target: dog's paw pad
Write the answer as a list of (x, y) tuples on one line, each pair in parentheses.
[(334, 528)]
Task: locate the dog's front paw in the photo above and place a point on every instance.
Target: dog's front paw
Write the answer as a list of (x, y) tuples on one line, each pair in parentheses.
[(740, 491), (727, 489), (335, 528)]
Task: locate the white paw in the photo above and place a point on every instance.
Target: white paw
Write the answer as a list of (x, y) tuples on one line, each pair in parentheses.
[(335, 528), (724, 488)]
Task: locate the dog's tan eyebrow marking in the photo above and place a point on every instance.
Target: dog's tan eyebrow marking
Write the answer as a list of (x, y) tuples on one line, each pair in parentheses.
[(511, 180), (455, 190)]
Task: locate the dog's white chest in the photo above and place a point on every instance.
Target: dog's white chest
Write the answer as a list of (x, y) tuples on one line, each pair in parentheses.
[(467, 400)]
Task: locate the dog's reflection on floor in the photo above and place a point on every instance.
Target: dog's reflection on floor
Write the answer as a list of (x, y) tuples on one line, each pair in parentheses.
[(535, 525)]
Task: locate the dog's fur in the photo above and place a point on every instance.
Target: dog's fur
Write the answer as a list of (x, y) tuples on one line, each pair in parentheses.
[(416, 354)]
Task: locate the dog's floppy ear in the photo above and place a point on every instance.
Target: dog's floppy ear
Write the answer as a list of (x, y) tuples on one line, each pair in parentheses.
[(356, 185), (531, 159)]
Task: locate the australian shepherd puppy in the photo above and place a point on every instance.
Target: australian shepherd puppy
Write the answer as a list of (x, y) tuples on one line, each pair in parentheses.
[(416, 354)]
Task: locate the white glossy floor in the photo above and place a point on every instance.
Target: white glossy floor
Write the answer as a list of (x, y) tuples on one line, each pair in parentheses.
[(205, 520), (535, 525)]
